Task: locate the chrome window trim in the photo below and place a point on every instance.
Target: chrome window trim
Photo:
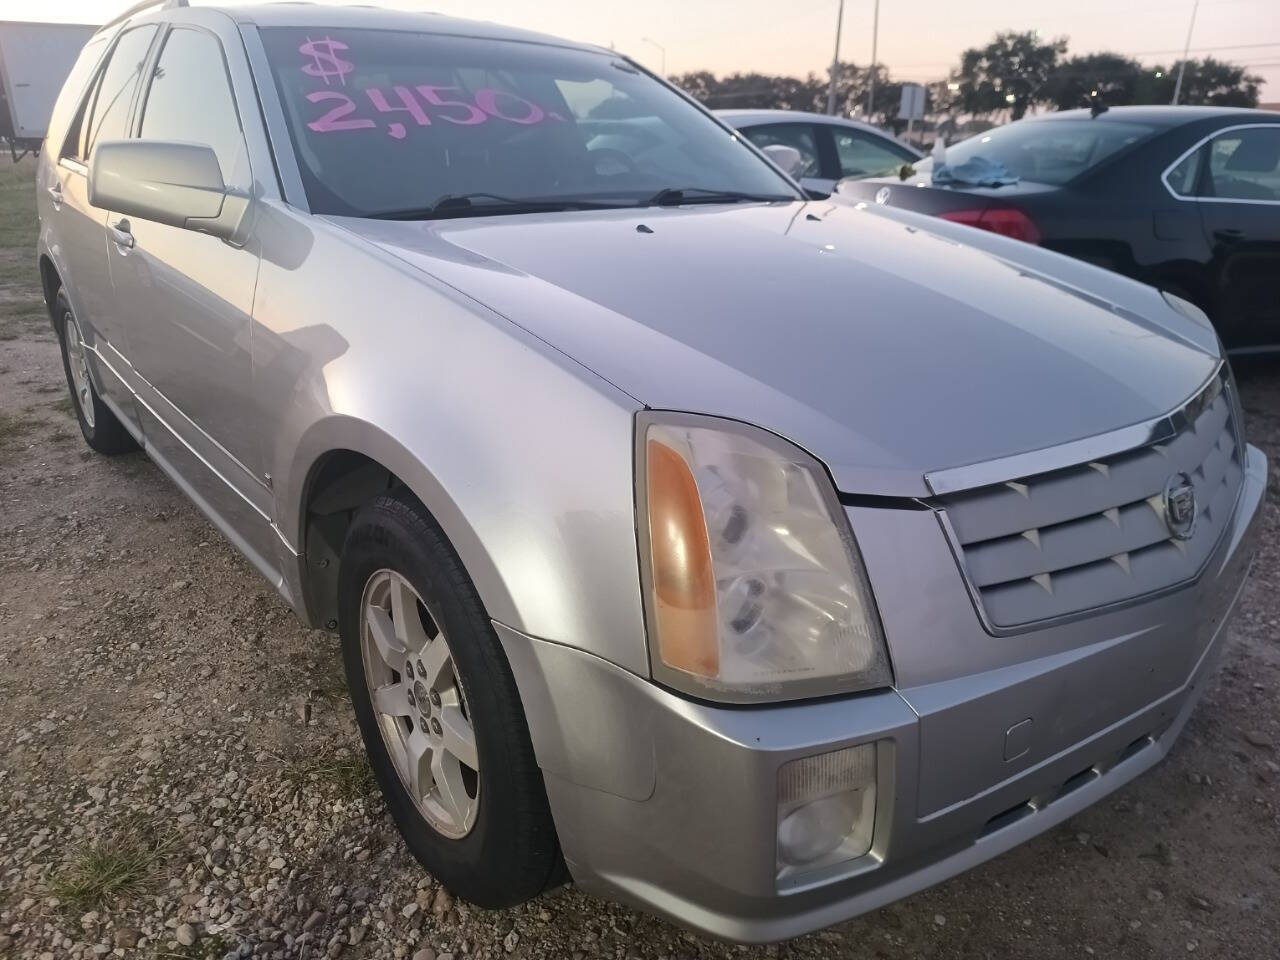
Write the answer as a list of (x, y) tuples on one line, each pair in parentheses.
[(1164, 177), (1077, 452)]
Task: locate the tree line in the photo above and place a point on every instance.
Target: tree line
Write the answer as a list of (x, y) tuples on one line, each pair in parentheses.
[(1012, 74)]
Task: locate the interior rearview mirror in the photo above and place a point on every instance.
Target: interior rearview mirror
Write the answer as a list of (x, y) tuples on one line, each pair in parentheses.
[(179, 184), (788, 159)]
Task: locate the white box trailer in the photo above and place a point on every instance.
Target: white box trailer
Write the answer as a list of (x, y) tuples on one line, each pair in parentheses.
[(35, 59)]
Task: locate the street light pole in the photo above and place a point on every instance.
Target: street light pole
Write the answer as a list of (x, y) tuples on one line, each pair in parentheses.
[(875, 37), (835, 63), (662, 50), (1182, 66)]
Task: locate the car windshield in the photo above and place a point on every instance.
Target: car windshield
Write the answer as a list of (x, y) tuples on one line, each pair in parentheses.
[(388, 123), (1046, 151)]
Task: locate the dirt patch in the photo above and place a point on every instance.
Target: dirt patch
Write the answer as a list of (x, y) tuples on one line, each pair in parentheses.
[(180, 776)]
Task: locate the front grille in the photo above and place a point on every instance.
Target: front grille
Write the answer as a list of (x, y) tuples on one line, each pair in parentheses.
[(1058, 543)]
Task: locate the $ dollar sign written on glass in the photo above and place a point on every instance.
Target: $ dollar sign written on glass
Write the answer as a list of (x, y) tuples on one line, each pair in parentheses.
[(325, 62)]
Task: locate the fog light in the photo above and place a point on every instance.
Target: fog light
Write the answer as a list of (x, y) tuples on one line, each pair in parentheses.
[(826, 808)]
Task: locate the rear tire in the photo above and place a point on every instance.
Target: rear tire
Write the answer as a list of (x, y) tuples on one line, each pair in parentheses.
[(481, 825), (102, 430)]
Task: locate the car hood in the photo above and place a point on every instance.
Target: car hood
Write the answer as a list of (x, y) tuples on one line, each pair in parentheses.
[(887, 349)]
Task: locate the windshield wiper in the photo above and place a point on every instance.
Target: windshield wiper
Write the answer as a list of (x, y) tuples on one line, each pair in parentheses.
[(670, 196), (464, 205)]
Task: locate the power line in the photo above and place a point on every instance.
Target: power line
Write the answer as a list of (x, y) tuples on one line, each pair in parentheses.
[(1230, 46)]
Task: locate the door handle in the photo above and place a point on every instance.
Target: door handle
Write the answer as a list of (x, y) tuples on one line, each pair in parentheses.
[(55, 191), (1229, 233), (121, 235)]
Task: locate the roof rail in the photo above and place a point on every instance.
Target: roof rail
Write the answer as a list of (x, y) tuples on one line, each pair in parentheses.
[(138, 8)]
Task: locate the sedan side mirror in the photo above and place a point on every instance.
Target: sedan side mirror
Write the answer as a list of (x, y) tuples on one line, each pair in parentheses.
[(178, 184), (788, 159)]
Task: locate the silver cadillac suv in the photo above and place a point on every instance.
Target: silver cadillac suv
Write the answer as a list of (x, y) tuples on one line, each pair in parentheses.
[(752, 560)]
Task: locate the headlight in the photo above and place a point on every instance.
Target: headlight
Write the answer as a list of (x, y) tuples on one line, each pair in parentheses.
[(1195, 314), (754, 589)]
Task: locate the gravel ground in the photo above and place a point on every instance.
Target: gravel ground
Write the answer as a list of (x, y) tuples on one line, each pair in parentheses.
[(180, 775)]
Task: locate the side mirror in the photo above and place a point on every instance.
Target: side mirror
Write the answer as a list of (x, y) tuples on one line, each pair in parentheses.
[(178, 184), (788, 159)]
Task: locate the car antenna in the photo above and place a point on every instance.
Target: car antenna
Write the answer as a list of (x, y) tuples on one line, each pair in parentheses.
[(1096, 106)]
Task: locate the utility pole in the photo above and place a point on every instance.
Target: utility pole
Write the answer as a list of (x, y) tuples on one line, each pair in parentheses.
[(662, 50), (875, 36), (835, 63), (1177, 87)]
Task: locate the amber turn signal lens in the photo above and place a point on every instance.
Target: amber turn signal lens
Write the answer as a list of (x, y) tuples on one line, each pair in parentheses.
[(683, 582)]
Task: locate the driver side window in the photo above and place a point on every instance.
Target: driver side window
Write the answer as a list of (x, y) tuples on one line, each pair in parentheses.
[(798, 135), (190, 100)]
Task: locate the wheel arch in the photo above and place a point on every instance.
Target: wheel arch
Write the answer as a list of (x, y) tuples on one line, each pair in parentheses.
[(50, 284), (341, 465)]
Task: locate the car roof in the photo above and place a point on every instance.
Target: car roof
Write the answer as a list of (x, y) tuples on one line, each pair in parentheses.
[(1159, 116), (752, 117), (298, 13)]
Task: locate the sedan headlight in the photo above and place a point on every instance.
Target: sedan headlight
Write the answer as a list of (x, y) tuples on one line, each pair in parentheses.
[(754, 589)]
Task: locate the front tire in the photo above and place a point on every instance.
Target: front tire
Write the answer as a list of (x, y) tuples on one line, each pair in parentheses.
[(439, 711), (102, 430)]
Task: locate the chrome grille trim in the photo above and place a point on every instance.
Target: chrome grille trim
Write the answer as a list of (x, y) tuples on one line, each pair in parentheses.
[(1075, 452), (1069, 541)]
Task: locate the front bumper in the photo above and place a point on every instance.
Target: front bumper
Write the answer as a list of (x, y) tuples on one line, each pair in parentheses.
[(670, 804)]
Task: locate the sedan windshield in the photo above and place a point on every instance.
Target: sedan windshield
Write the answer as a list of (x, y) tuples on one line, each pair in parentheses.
[(1046, 151), (388, 123)]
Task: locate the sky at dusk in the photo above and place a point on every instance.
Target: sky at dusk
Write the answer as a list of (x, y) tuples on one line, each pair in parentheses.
[(919, 40)]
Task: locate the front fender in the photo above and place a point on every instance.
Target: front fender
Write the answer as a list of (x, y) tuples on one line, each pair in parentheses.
[(523, 456)]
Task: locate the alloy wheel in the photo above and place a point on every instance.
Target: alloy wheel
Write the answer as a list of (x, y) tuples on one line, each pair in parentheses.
[(79, 368), (420, 704)]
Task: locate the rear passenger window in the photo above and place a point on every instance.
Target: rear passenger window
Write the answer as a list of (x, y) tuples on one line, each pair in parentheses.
[(72, 95), (866, 155), (190, 100), (107, 108), (1245, 165), (1182, 178)]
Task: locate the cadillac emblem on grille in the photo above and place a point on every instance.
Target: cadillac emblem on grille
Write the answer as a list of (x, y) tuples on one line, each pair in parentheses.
[(1180, 506)]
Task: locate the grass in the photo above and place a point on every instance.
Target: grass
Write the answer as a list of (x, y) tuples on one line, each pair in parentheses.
[(18, 222), (22, 309), (327, 679), (13, 429), (18, 320), (123, 864), (346, 771)]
